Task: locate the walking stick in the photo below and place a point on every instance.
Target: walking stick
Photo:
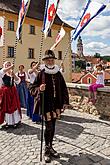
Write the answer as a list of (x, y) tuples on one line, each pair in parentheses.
[(42, 122)]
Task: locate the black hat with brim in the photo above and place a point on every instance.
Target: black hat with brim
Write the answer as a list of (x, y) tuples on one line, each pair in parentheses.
[(49, 54)]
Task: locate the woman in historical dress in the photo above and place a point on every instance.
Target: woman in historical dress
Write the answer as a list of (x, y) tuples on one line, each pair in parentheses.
[(22, 86), (10, 110), (32, 73)]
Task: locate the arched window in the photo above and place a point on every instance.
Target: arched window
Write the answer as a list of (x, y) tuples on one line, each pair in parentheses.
[(89, 80)]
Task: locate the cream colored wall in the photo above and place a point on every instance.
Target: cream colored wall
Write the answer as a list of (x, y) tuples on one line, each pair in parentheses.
[(33, 41)]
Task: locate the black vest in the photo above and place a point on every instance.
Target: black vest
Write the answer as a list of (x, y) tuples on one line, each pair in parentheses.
[(7, 80)]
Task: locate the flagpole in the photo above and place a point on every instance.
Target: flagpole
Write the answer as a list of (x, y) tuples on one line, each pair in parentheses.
[(40, 55), (41, 46), (4, 34), (42, 94), (16, 40), (14, 57), (42, 126), (67, 49)]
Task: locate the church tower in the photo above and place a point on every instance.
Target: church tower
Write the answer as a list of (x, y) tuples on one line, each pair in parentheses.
[(80, 48)]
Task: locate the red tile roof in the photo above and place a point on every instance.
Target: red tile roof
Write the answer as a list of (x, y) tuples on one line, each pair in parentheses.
[(91, 59), (76, 77)]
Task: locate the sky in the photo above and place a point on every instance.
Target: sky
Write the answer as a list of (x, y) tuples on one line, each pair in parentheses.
[(96, 34)]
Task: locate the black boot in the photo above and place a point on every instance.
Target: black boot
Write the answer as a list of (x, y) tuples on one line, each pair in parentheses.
[(47, 154), (54, 153)]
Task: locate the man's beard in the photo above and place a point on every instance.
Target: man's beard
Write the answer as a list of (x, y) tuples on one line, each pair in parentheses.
[(50, 66)]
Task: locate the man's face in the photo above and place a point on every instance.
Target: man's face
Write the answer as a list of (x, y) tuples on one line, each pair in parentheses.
[(49, 61)]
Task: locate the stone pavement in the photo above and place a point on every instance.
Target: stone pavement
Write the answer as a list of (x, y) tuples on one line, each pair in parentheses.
[(81, 139)]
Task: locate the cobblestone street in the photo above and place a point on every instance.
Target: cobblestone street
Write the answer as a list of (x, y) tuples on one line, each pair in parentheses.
[(81, 139)]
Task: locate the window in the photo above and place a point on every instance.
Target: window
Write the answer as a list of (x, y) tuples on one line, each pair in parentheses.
[(50, 33), (32, 29), (30, 53), (59, 55), (11, 25), (88, 64), (89, 80), (10, 51)]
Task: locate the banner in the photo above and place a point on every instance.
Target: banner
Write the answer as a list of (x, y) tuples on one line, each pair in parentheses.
[(22, 13), (59, 37), (91, 10), (49, 15), (1, 31)]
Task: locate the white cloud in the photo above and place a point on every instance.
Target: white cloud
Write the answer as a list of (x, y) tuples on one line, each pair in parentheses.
[(70, 9), (106, 51), (96, 47), (98, 27)]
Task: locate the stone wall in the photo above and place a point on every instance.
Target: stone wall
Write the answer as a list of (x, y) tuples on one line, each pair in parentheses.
[(79, 100)]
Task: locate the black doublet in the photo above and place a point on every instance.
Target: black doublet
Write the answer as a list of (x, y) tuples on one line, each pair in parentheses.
[(55, 94)]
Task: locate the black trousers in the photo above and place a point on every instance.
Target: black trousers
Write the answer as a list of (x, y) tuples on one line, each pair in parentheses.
[(49, 132)]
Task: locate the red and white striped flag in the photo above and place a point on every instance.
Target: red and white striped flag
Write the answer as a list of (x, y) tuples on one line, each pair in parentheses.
[(59, 37), (1, 31), (22, 13), (49, 15)]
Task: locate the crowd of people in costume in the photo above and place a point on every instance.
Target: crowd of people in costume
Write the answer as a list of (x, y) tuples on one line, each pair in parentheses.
[(15, 94), (44, 79), (17, 82)]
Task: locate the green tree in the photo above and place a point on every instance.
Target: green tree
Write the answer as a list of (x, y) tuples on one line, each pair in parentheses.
[(81, 64), (106, 58), (97, 55)]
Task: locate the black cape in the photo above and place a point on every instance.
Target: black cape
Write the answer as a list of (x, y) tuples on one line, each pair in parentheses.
[(55, 94)]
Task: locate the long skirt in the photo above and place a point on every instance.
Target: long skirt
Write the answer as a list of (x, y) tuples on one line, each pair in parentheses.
[(34, 117), (13, 118), (10, 111), (23, 94)]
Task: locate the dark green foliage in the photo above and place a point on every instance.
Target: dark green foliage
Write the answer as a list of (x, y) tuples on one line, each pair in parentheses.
[(81, 64)]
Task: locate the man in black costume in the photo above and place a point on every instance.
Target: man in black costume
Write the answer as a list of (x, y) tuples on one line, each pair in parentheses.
[(51, 82)]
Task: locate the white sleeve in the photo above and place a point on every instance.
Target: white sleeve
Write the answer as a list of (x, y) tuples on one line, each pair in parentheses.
[(17, 81), (2, 73), (26, 77), (16, 74), (29, 74)]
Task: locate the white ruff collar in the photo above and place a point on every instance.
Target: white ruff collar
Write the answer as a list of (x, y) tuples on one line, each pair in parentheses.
[(53, 70)]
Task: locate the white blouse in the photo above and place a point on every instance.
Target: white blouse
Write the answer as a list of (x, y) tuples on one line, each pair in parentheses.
[(100, 78), (32, 76), (26, 75), (2, 73)]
